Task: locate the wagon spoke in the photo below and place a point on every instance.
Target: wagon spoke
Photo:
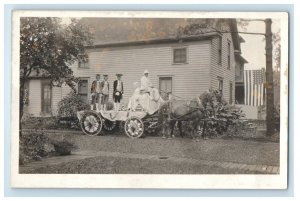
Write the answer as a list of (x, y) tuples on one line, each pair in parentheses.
[(134, 127), (91, 123), (86, 123), (88, 128)]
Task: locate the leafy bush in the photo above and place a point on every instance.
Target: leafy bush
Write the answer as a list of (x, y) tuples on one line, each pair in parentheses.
[(63, 147), (36, 145), (219, 114), (70, 104)]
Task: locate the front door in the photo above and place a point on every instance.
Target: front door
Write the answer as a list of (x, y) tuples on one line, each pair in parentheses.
[(165, 86), (46, 97)]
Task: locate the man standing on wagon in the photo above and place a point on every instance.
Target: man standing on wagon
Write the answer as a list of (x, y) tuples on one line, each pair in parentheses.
[(118, 92), (96, 92), (105, 92)]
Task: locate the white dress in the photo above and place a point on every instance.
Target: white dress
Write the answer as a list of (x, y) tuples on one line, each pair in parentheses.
[(146, 84)]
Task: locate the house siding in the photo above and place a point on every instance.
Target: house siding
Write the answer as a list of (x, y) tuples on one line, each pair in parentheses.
[(56, 97), (35, 105), (188, 79), (221, 70)]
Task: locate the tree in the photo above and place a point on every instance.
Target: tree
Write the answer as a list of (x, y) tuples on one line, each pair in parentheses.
[(48, 48), (277, 50), (204, 25)]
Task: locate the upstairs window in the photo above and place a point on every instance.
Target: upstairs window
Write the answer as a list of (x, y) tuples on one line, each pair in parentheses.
[(180, 55), (228, 55), (220, 50), (83, 61)]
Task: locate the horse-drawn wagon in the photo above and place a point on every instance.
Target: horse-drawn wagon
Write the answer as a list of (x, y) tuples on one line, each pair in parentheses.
[(141, 114), (193, 116), (151, 115)]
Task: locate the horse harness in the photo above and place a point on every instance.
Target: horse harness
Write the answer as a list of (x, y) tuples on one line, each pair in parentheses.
[(172, 118)]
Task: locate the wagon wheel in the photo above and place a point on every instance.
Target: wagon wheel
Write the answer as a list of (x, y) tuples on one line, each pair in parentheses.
[(134, 127), (109, 125), (91, 123)]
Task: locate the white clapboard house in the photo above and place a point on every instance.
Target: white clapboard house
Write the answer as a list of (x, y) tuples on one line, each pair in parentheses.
[(186, 66)]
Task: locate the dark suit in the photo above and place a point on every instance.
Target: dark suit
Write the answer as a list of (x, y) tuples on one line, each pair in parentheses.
[(116, 97)]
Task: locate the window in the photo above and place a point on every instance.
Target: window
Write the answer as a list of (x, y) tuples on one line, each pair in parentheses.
[(220, 50), (230, 92), (83, 61), (165, 86), (83, 90), (220, 84), (228, 55), (180, 55), (46, 97)]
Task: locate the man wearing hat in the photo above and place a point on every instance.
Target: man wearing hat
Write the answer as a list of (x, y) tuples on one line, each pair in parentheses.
[(96, 91), (105, 92), (118, 92)]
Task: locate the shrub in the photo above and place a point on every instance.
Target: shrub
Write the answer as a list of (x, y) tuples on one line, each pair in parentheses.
[(36, 145), (219, 114), (63, 147), (70, 104)]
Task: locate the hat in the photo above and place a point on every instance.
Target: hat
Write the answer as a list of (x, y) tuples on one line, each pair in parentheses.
[(98, 75), (119, 74), (105, 75), (146, 71)]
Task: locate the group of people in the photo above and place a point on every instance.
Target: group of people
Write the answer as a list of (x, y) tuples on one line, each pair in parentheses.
[(100, 92)]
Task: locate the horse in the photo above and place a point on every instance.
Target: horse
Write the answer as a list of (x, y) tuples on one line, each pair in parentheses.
[(179, 111)]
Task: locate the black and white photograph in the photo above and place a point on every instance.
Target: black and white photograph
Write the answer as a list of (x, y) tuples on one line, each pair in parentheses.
[(149, 99)]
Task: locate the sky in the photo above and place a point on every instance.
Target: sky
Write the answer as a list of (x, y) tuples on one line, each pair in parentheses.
[(253, 50)]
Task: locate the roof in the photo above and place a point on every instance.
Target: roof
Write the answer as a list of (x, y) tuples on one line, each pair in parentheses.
[(109, 31), (239, 57), (118, 32), (242, 40), (170, 39)]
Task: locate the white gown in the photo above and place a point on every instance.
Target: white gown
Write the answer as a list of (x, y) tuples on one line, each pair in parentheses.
[(148, 104), (146, 84)]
